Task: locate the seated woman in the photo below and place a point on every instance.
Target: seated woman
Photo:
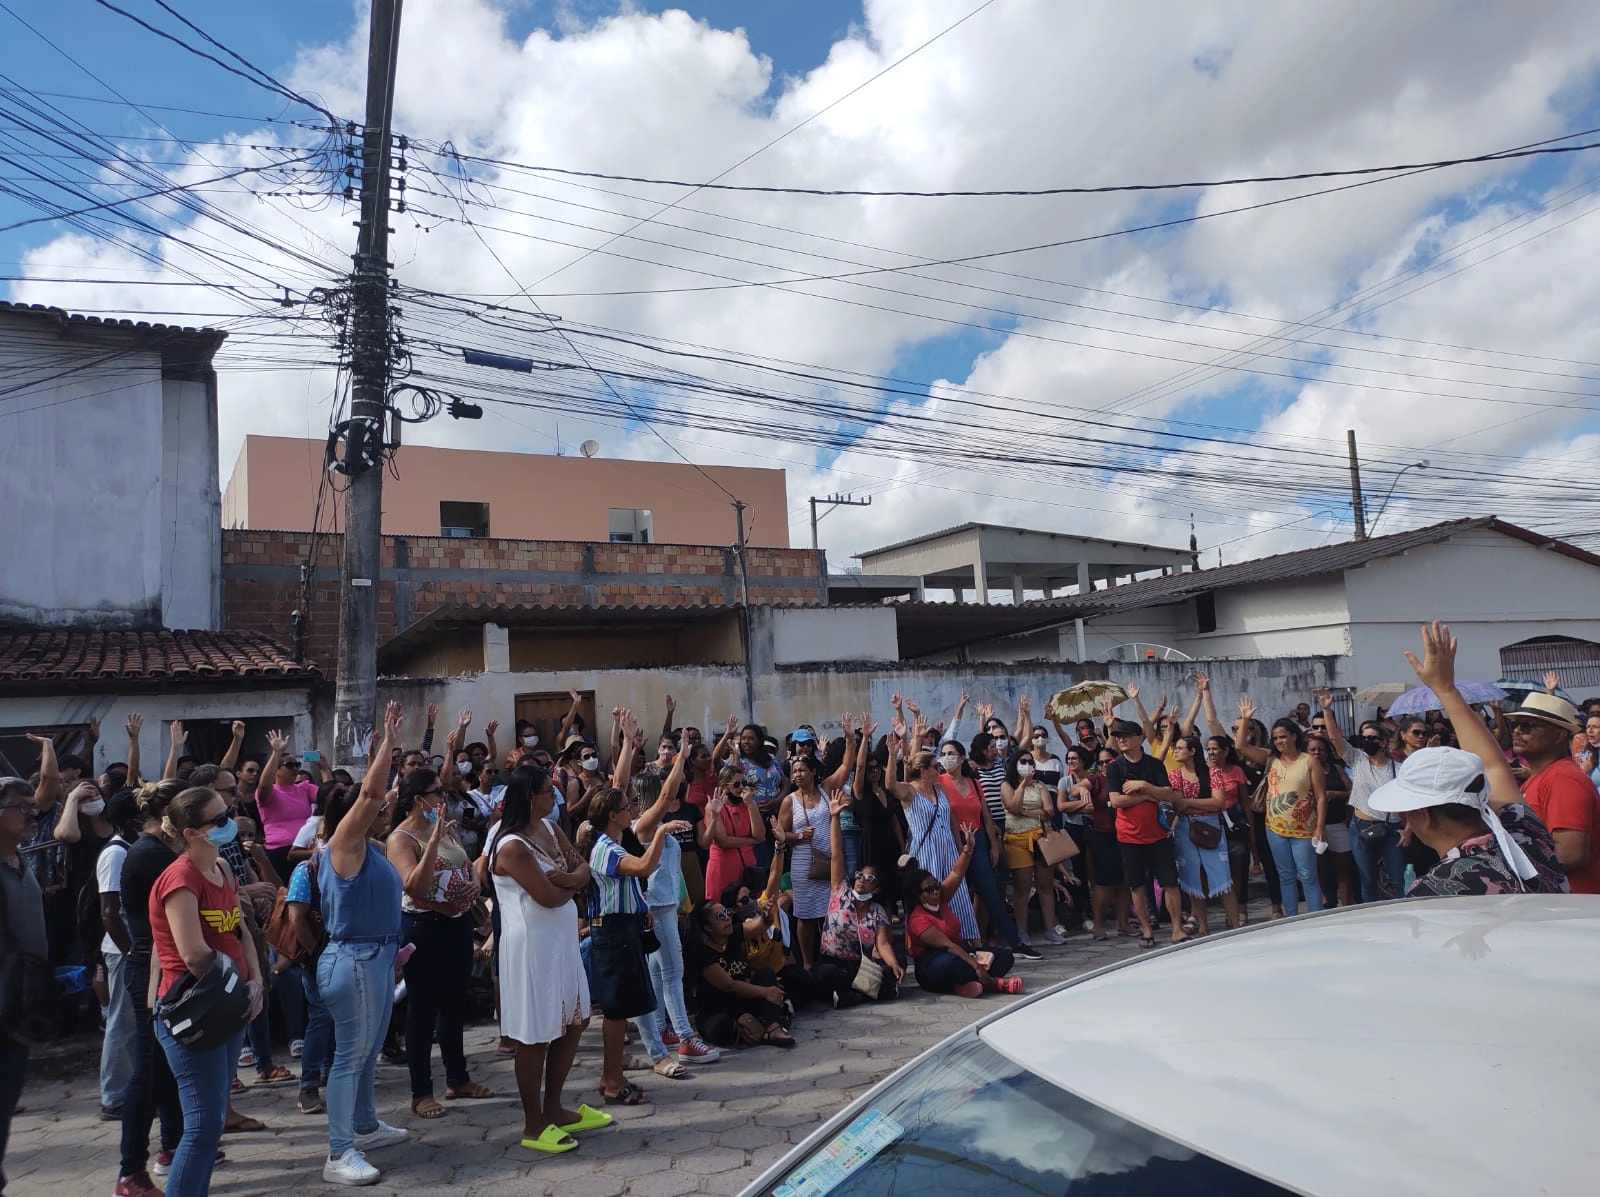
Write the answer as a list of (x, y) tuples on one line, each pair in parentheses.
[(856, 925), (737, 1004), (933, 934)]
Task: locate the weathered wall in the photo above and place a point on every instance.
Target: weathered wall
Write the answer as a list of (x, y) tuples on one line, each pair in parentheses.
[(108, 486), (261, 579)]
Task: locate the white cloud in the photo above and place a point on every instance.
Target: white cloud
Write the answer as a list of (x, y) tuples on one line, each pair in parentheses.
[(1024, 94)]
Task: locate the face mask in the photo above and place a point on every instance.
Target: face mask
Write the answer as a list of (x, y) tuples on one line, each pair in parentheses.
[(431, 815), (859, 896), (93, 808), (226, 834), (1001, 743), (531, 741), (590, 763), (466, 767), (1024, 770), (951, 763), (736, 797), (932, 907)]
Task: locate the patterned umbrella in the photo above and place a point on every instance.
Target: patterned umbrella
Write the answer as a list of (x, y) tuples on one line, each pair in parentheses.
[(1083, 700), (1419, 699)]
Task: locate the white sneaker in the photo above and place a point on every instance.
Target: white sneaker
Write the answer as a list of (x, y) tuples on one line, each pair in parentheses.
[(1053, 935), (1088, 925), (247, 1058), (297, 1049), (350, 1169), (382, 1135)]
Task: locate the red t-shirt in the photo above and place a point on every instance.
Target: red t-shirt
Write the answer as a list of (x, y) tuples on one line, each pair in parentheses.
[(1566, 800), (220, 918), (1230, 782), (1140, 823), (921, 918), (969, 808)]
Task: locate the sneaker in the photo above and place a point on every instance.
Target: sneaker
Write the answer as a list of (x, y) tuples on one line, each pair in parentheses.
[(1055, 935), (350, 1169), (1088, 925), (382, 1135), (1027, 951), (110, 1113), (696, 1051), (137, 1185), (297, 1049), (669, 1037), (162, 1164), (247, 1058)]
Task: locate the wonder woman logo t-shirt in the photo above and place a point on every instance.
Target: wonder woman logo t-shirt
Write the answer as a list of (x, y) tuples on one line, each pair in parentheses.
[(220, 917)]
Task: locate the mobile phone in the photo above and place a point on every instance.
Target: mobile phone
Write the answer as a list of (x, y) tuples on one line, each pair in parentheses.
[(311, 755)]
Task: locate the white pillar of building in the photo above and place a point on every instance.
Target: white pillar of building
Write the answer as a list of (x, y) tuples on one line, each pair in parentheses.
[(1083, 589)]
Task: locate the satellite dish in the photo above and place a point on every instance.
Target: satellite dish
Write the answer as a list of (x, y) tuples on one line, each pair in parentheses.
[(589, 448)]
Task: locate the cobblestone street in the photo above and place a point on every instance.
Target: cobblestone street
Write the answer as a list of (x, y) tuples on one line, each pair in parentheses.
[(712, 1133)]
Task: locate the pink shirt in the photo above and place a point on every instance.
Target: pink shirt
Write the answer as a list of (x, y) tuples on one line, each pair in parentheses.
[(284, 811)]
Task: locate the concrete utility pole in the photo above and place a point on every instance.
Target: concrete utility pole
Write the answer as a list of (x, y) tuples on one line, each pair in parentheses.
[(830, 502), (1357, 504), (744, 611), (356, 696)]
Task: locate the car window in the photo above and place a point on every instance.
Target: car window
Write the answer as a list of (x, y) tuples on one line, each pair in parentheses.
[(970, 1122)]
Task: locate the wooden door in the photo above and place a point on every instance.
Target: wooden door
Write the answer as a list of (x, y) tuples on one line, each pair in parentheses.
[(546, 711)]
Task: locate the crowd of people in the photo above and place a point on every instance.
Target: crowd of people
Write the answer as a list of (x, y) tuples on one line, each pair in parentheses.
[(705, 886)]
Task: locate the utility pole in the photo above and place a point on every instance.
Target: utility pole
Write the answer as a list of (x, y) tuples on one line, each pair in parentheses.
[(356, 695), (830, 502), (744, 611), (1357, 504)]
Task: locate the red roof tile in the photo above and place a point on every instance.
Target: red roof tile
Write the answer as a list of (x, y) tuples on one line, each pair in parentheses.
[(43, 658)]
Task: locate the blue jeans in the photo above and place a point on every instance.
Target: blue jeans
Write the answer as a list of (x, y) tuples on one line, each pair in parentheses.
[(204, 1079), (852, 853), (151, 1090), (116, 1050), (939, 971), (316, 1056), (356, 981), (666, 971), (980, 876), (1369, 856), (1296, 859)]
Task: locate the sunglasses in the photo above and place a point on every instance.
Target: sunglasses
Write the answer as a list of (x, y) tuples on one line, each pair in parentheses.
[(220, 821), (1521, 725), (931, 888), (720, 915), (1422, 731)]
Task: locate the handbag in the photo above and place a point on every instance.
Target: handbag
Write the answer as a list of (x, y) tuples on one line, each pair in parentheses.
[(1373, 831), (648, 939), (1203, 834), (1053, 847), (1258, 797), (821, 866), (280, 933), (869, 978)]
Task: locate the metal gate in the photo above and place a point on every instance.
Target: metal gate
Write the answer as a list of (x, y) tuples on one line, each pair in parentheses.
[(1577, 661)]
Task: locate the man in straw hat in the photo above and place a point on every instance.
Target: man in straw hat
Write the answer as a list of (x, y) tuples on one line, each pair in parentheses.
[(1557, 788), (1464, 803)]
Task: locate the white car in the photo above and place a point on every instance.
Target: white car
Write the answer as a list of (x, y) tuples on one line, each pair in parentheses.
[(1441, 1046)]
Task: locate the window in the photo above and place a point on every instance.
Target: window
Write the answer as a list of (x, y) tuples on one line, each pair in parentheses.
[(630, 525), (1205, 612), (463, 519)]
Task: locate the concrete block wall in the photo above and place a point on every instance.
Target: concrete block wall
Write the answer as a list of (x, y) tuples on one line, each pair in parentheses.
[(261, 579)]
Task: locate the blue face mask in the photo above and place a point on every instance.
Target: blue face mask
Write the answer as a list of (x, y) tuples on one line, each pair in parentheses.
[(431, 815), (226, 834)]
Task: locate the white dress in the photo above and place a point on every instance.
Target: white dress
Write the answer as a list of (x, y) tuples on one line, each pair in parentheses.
[(543, 988)]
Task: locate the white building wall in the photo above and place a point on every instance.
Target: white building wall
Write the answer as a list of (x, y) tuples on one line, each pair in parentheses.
[(108, 488), (802, 634), (1309, 617), (1494, 590)]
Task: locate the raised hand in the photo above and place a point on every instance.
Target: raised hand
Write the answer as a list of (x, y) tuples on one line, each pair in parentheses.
[(1133, 693), (237, 729), (847, 724), (94, 729), (1025, 704), (985, 713), (896, 701), (134, 725), (393, 717), (1437, 669), (179, 736), (898, 725), (465, 721), (671, 705), (1247, 709), (1202, 683), (1552, 680), (1325, 698), (869, 729), (433, 713), (913, 708), (838, 803), (733, 724), (491, 727), (577, 698), (276, 740), (1107, 706)]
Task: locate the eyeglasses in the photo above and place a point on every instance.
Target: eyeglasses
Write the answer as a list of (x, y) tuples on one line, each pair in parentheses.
[(18, 806), (433, 793), (1422, 731), (931, 887), (866, 876), (721, 915)]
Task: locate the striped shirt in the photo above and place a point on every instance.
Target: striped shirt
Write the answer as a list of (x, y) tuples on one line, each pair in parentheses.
[(991, 779), (614, 893)]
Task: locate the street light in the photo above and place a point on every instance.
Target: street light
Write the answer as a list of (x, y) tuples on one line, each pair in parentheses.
[(1382, 507)]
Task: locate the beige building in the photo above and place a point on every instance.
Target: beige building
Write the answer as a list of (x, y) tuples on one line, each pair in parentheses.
[(517, 496)]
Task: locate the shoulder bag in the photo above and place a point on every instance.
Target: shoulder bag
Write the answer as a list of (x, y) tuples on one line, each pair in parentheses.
[(1054, 847), (869, 977), (280, 933), (1204, 835)]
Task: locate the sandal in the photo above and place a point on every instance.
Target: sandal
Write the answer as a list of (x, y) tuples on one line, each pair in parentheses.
[(506, 1047), (552, 1140), (311, 1102), (427, 1107), (778, 1037), (274, 1075), (629, 1095), (1008, 984), (242, 1125), (638, 1064), (1147, 941), (238, 1085), (671, 1069), (589, 1119), (471, 1091)]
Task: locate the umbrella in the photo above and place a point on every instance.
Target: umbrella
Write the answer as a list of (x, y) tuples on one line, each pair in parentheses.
[(1520, 687), (1419, 698), (1083, 700), (1380, 695)]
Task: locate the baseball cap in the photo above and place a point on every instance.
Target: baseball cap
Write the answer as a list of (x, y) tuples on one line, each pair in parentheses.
[(1438, 776), (1126, 727), (801, 735)]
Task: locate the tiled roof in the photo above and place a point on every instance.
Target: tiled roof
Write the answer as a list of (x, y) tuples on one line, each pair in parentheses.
[(63, 318), (48, 658), (1286, 567)]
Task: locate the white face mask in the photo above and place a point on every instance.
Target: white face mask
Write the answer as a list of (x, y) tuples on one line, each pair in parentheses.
[(590, 763), (951, 763), (1001, 743), (859, 896), (1024, 770), (94, 807), (530, 741)]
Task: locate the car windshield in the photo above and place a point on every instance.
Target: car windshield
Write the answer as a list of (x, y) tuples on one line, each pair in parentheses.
[(969, 1122)]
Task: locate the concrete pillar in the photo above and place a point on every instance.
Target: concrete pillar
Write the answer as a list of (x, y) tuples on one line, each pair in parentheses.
[(1084, 587), (980, 579), (496, 649), (1017, 590)]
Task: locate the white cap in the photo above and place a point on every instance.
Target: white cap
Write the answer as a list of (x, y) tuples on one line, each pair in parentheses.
[(1436, 776)]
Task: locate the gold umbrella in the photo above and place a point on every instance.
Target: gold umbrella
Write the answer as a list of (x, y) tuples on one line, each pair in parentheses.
[(1083, 700)]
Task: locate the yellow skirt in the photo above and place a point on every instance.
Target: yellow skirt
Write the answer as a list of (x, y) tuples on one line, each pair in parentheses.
[(1019, 848)]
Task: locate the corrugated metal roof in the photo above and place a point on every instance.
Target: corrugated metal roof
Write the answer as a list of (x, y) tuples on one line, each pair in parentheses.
[(64, 318), (1285, 567), (974, 527)]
